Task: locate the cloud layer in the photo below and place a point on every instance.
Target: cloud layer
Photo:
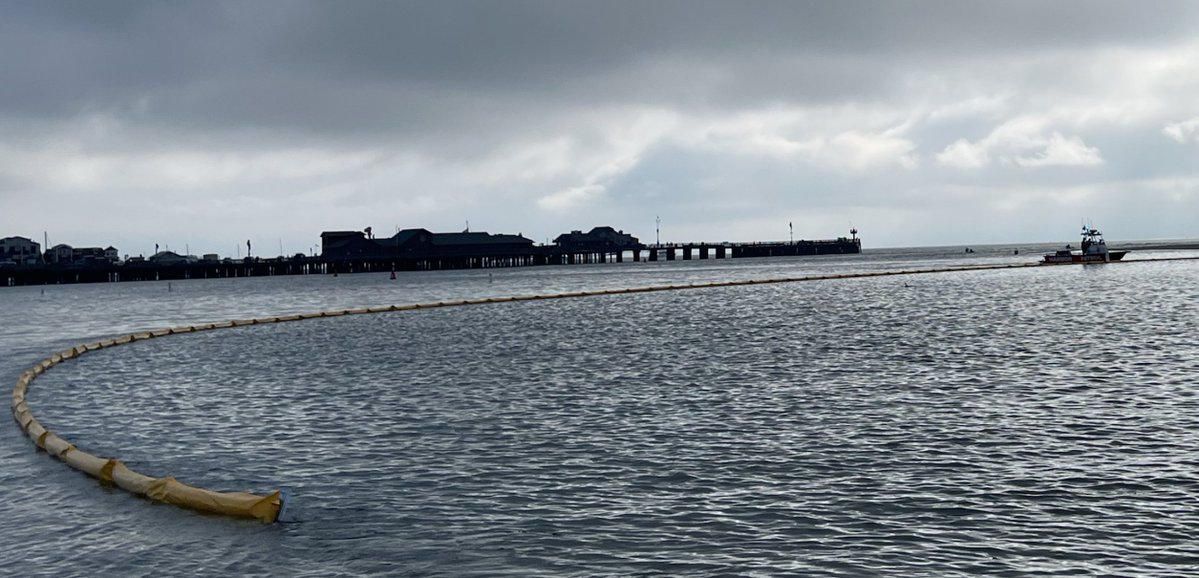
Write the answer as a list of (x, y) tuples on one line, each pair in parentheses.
[(211, 122)]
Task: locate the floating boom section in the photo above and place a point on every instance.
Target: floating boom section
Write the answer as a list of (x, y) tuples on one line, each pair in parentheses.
[(112, 471)]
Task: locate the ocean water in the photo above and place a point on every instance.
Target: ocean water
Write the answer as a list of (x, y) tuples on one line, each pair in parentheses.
[(1038, 421)]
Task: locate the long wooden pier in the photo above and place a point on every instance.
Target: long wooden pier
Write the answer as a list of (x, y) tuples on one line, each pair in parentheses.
[(483, 258), (687, 251)]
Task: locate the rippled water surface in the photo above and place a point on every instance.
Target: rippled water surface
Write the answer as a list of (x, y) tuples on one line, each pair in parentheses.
[(1011, 422)]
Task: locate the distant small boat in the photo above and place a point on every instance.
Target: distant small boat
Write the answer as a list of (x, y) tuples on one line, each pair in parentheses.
[(1094, 250)]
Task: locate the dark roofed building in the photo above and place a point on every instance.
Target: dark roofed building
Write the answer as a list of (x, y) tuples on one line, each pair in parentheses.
[(20, 251), (168, 258), (89, 256), (481, 243), (598, 239), (419, 243), (347, 245), (407, 242), (60, 254)]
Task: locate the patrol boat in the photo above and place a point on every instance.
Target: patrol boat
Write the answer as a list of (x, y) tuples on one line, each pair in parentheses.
[(1094, 250)]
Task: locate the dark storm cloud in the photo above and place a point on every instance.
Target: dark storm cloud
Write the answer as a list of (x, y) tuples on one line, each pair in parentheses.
[(722, 115), (404, 65)]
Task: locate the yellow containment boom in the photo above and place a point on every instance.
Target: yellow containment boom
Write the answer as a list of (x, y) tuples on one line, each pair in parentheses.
[(267, 508), (166, 489)]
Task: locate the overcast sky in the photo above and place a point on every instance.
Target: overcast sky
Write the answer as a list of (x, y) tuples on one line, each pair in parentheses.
[(204, 124)]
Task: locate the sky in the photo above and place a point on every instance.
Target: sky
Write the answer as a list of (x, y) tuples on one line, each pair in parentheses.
[(200, 125)]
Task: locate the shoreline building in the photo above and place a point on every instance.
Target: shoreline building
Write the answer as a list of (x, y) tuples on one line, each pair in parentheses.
[(597, 240), (20, 252), (424, 249), (66, 255)]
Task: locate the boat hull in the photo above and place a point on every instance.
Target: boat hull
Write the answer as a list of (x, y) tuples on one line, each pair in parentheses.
[(1080, 258)]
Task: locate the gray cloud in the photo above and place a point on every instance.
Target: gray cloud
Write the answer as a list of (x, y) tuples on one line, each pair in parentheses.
[(545, 116)]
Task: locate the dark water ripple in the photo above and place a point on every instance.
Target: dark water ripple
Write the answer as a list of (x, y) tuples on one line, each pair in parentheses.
[(1004, 423)]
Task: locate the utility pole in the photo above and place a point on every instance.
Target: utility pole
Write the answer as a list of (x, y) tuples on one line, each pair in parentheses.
[(791, 226), (657, 230)]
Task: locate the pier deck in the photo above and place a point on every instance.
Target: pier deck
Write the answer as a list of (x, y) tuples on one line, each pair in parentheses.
[(482, 259)]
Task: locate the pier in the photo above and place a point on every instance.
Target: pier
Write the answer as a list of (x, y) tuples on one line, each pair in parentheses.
[(688, 251), (574, 255), (419, 250), (147, 271)]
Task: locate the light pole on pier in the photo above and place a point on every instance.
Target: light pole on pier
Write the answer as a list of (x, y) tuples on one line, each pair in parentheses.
[(657, 230), (791, 226)]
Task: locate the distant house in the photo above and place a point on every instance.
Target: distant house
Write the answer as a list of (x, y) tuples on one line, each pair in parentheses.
[(61, 254), (597, 239), (89, 256), (20, 251), (168, 258)]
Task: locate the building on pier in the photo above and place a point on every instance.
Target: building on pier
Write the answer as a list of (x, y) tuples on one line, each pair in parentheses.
[(407, 250), (419, 244), (20, 251), (66, 255), (168, 258), (597, 240)]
